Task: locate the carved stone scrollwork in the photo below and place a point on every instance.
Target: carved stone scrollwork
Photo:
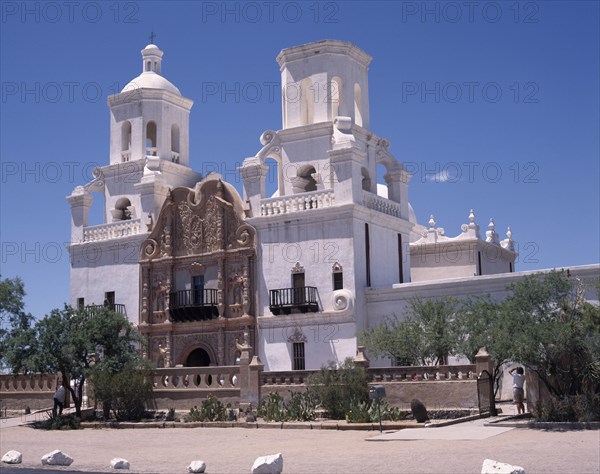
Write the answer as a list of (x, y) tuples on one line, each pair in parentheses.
[(297, 268), (194, 197), (267, 137), (197, 269), (342, 301), (245, 235), (150, 249), (297, 336)]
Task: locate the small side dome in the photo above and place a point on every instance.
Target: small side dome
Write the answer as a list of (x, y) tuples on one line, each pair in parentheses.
[(151, 46)]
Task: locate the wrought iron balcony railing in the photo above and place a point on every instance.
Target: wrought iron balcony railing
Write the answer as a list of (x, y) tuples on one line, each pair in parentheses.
[(193, 305), (117, 308), (286, 300)]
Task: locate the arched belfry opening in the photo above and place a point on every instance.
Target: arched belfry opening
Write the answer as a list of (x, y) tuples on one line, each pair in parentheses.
[(199, 357), (151, 134), (358, 105)]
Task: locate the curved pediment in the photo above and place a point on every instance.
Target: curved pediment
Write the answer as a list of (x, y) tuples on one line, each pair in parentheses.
[(206, 219)]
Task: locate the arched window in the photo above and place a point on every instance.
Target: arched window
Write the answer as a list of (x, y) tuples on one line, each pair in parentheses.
[(151, 138), (175, 143), (307, 101), (149, 66), (337, 276), (126, 140), (272, 178), (334, 96), (357, 105)]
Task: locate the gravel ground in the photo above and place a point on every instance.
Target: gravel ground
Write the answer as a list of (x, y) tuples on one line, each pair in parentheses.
[(233, 450)]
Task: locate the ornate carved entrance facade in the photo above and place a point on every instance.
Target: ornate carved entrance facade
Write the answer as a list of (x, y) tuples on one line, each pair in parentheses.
[(197, 278)]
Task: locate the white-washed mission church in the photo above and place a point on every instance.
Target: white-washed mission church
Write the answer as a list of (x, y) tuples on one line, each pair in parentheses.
[(296, 274)]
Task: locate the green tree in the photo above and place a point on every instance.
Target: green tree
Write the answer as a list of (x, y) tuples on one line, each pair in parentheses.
[(483, 322), (426, 336), (15, 323), (559, 336), (401, 341), (73, 342)]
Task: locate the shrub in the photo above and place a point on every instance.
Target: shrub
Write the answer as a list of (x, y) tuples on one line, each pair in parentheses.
[(339, 389), (211, 409), (300, 407), (59, 422), (573, 408), (125, 393), (273, 408)]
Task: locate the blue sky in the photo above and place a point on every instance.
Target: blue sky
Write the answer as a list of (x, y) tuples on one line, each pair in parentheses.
[(491, 105)]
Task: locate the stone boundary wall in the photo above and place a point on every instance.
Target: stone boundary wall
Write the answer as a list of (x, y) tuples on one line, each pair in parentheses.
[(440, 387), (453, 386), (34, 391)]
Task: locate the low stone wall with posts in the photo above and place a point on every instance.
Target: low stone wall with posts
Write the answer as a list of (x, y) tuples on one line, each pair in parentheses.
[(183, 387), (438, 387), (244, 385), (34, 391)]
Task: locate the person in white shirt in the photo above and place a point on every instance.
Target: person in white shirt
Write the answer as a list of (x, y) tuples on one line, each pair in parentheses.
[(59, 400), (518, 392)]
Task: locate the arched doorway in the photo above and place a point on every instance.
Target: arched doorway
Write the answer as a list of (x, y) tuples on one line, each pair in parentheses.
[(198, 358)]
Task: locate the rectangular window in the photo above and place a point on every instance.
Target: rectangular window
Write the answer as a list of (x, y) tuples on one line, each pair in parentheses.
[(368, 254), (478, 263), (510, 267), (80, 303), (298, 356), (109, 299), (338, 281), (400, 260)]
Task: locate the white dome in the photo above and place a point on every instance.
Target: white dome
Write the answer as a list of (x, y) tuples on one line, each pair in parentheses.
[(150, 80), (151, 46)]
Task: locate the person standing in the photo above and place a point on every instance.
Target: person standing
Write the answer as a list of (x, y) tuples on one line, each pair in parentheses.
[(59, 400), (518, 392)]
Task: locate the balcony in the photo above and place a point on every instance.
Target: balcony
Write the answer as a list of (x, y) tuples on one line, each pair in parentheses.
[(114, 230), (286, 300), (193, 305), (297, 202), (381, 204), (116, 308)]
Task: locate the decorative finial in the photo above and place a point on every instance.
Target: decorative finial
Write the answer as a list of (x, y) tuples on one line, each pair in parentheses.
[(509, 234), (152, 36), (431, 221), (471, 216), (491, 225)]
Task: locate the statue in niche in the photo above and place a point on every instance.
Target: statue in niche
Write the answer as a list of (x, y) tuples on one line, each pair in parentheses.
[(162, 295), (165, 355)]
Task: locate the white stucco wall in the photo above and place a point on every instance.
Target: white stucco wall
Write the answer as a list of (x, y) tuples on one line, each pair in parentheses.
[(101, 267)]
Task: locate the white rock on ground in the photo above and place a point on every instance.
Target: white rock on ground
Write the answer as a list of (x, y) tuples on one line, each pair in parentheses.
[(197, 466), (57, 458), (494, 467), (271, 464), (119, 463), (12, 457)]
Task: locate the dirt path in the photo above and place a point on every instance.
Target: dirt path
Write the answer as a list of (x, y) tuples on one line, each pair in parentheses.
[(233, 450)]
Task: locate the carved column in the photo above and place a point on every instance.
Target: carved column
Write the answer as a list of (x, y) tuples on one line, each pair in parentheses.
[(220, 287), (221, 346), (245, 287)]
